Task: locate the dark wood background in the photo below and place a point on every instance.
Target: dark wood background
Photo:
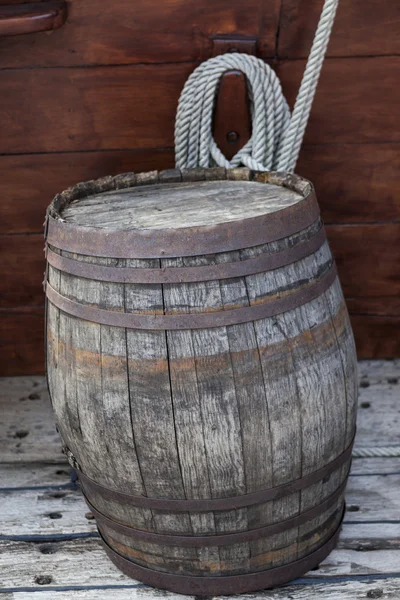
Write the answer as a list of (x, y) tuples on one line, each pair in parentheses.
[(98, 96)]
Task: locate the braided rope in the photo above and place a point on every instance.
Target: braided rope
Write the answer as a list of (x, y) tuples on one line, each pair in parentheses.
[(276, 134), (377, 452)]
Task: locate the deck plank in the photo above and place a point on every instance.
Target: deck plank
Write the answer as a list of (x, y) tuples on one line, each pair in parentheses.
[(34, 475), (386, 588), (27, 429), (58, 544), (83, 562), (369, 498)]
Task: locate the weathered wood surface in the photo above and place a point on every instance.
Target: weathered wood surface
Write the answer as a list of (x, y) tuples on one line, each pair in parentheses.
[(249, 438), (44, 512), (365, 564), (24, 562), (28, 432), (379, 416), (178, 205), (385, 588), (32, 475)]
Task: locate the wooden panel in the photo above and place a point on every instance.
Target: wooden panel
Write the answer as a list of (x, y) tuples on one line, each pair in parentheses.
[(357, 99), (377, 337), (100, 108), (363, 27), (46, 110), (385, 306), (22, 345), (354, 182), (29, 182), (368, 258), (32, 17), (126, 32), (23, 267)]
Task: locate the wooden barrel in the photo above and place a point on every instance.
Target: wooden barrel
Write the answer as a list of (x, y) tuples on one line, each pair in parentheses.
[(202, 370)]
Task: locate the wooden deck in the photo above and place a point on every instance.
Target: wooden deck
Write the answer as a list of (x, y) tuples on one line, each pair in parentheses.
[(50, 549)]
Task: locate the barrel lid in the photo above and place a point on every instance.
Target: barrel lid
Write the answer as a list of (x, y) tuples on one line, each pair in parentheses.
[(179, 212)]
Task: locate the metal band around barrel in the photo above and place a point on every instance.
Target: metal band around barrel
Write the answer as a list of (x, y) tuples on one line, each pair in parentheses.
[(226, 270), (220, 318), (183, 241), (234, 584), (211, 504), (218, 540)]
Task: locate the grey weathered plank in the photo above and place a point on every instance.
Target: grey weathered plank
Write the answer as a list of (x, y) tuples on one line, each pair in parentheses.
[(27, 429), (378, 415), (34, 474), (253, 409), (379, 371), (152, 418), (83, 562), (178, 205), (386, 588), (188, 414), (287, 367), (221, 424), (376, 466), (44, 512)]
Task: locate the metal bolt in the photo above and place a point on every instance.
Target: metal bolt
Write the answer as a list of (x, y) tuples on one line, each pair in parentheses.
[(232, 137)]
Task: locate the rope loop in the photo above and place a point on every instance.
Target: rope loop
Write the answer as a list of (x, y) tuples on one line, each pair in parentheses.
[(277, 134)]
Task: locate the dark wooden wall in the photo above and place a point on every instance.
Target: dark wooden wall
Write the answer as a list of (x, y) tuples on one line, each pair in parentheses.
[(98, 96)]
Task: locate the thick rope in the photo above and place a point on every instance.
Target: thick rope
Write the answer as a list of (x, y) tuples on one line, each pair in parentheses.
[(377, 452), (277, 135)]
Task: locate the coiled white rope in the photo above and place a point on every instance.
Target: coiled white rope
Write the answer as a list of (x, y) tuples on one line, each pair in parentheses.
[(277, 135)]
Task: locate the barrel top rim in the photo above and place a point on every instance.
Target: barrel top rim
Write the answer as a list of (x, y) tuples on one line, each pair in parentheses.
[(182, 241), (179, 205)]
